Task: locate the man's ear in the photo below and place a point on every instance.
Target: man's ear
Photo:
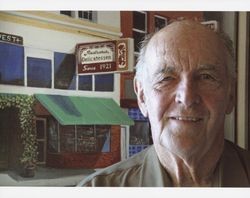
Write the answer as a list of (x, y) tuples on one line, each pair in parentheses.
[(138, 88)]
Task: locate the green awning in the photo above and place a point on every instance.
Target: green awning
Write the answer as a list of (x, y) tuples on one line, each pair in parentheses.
[(77, 110)]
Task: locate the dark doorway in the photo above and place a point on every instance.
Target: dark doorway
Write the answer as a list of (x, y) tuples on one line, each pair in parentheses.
[(10, 139)]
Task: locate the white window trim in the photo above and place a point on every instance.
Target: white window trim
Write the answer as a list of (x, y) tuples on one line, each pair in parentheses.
[(161, 17), (93, 82), (140, 31)]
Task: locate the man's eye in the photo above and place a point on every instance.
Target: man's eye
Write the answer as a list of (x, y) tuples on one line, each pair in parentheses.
[(164, 81), (168, 78), (207, 77)]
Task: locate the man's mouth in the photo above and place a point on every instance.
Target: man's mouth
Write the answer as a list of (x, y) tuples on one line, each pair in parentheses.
[(186, 118)]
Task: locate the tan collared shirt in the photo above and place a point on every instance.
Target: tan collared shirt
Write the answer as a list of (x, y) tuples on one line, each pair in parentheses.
[(145, 170)]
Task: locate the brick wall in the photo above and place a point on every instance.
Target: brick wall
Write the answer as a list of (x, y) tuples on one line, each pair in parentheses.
[(93, 160)]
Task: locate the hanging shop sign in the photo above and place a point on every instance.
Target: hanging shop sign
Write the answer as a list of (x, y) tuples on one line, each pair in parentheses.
[(106, 56), (10, 38)]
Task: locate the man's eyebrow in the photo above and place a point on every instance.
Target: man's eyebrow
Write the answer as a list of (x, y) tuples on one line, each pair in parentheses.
[(207, 67), (166, 70)]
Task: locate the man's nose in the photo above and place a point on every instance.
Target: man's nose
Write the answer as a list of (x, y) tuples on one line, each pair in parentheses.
[(187, 94)]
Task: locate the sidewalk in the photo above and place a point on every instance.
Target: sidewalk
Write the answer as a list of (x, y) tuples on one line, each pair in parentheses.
[(45, 176)]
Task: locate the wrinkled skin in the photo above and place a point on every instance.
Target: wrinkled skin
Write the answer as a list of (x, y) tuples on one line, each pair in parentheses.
[(186, 94)]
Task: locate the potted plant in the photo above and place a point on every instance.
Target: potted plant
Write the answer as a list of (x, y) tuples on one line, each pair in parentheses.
[(29, 169)]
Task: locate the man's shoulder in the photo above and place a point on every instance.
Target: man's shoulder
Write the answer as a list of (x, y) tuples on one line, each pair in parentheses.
[(124, 173), (240, 151), (236, 152), (235, 166)]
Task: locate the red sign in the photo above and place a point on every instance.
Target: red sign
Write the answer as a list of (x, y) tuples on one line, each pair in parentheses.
[(106, 56)]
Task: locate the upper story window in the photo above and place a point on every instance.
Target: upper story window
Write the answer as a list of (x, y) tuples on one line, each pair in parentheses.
[(39, 72), (64, 71), (82, 139), (159, 22), (88, 15), (85, 15), (11, 64), (66, 12), (139, 28)]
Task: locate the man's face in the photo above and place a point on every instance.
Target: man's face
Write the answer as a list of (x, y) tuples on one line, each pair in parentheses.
[(187, 90)]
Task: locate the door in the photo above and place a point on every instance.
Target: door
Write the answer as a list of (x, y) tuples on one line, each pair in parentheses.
[(4, 140), (41, 139)]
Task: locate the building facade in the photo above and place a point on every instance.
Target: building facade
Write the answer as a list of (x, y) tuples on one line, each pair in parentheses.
[(76, 118)]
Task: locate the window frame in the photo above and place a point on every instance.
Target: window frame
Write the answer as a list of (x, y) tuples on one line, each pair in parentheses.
[(21, 64), (51, 85), (135, 29)]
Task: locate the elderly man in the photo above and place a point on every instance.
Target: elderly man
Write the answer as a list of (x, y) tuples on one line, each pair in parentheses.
[(185, 86)]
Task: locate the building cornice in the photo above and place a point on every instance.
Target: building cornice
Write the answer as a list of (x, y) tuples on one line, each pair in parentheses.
[(50, 20)]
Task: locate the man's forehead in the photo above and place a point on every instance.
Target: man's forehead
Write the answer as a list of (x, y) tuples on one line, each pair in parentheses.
[(184, 40), (185, 26), (180, 31)]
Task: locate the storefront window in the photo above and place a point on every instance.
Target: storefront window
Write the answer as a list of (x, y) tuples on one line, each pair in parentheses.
[(82, 139), (11, 64), (93, 139), (67, 138), (103, 138), (86, 140), (39, 72)]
